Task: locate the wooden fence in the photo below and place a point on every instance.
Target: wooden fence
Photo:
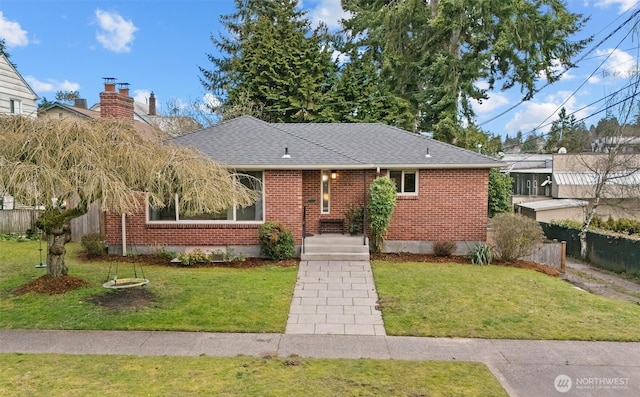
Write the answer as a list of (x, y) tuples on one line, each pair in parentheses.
[(550, 253), (17, 221)]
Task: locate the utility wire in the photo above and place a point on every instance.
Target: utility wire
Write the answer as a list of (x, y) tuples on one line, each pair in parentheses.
[(564, 71)]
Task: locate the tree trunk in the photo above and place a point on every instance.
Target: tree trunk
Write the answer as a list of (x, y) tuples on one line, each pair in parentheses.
[(56, 240)]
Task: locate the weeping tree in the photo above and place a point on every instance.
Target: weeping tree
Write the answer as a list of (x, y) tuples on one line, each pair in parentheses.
[(49, 164)]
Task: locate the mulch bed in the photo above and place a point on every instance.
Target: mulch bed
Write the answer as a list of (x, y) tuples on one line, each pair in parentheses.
[(52, 285), (61, 285)]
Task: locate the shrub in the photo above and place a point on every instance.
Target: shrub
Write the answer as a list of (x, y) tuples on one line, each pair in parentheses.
[(276, 241), (444, 248), (515, 235), (193, 258), (481, 254), (94, 244), (163, 252), (355, 216), (381, 206)]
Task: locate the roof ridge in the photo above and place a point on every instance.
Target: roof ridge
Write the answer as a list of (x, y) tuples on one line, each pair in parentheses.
[(313, 141)]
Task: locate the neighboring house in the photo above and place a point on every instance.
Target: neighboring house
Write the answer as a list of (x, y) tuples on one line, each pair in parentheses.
[(309, 173), (562, 186), (16, 96), (118, 104)]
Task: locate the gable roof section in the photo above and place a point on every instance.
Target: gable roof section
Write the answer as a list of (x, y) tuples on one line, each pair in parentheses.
[(249, 143), (10, 66), (145, 130)]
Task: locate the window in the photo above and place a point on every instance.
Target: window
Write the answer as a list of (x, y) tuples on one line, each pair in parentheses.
[(14, 106), (325, 191), (253, 213), (406, 181)]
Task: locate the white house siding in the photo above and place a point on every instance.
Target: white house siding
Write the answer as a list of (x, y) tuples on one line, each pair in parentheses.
[(13, 87)]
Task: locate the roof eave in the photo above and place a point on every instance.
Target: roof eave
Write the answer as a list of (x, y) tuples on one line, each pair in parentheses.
[(361, 166)]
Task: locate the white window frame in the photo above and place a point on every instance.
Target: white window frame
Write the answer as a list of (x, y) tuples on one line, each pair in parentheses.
[(233, 221), (323, 174), (15, 106), (402, 179)]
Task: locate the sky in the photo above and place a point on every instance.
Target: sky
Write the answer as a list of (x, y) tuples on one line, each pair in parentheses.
[(158, 45)]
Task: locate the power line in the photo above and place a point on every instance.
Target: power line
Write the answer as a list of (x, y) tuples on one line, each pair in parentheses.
[(583, 57)]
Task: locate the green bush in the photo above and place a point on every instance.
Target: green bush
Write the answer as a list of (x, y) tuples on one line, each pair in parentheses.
[(94, 244), (197, 256), (481, 254), (355, 216), (444, 248), (276, 241), (515, 235), (381, 206)]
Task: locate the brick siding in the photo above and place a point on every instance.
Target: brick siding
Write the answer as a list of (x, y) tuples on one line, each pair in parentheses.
[(451, 205)]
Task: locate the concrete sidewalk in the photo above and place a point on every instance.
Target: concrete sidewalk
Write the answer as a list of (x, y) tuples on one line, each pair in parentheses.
[(524, 368)]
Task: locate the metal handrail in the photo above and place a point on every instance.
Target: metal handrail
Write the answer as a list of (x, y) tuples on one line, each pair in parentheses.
[(304, 226)]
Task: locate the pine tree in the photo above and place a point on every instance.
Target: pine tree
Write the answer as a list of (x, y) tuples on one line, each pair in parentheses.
[(274, 59)]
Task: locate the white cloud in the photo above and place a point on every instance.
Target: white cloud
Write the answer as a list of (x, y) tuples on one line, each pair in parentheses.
[(328, 11), (51, 85), (594, 80), (12, 33), (536, 113), (141, 96), (211, 101), (623, 5), (116, 34), (487, 105), (620, 64)]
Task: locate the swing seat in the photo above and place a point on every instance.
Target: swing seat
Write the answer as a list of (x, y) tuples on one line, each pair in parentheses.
[(118, 283)]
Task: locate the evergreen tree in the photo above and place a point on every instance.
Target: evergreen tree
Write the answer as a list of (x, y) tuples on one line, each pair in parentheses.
[(530, 145), (431, 53), (360, 96), (273, 59)]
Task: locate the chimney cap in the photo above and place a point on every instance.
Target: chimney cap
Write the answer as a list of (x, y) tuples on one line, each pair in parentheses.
[(124, 85), (109, 80)]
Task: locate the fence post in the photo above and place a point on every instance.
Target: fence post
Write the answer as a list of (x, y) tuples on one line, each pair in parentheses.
[(563, 256)]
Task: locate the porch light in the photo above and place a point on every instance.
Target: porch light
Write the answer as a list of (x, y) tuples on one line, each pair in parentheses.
[(334, 174)]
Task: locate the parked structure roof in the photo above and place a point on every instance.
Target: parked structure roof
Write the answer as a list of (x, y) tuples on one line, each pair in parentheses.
[(545, 205)]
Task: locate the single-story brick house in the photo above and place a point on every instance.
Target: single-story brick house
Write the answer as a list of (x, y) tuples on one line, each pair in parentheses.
[(310, 172)]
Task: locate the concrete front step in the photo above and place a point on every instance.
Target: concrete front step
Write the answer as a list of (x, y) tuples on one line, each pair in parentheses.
[(334, 256), (335, 247), (322, 248)]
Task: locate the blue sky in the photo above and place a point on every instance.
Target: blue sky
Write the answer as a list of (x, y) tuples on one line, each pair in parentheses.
[(158, 45)]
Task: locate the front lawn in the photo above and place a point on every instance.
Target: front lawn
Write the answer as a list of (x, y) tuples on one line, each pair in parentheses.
[(456, 300), (181, 298), (57, 375)]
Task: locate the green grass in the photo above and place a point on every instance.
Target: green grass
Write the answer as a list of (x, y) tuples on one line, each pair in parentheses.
[(424, 299), (46, 375), (187, 299)]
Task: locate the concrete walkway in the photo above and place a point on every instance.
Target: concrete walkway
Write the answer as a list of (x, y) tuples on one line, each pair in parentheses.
[(525, 368), (335, 298)]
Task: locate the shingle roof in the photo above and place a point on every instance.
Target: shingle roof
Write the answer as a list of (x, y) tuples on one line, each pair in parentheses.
[(246, 142)]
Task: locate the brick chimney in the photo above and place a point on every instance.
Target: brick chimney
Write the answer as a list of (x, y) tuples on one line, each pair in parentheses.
[(116, 104), (80, 103), (152, 104)]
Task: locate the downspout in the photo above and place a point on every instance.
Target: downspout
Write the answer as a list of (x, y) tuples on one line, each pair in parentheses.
[(364, 207), (124, 234)]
